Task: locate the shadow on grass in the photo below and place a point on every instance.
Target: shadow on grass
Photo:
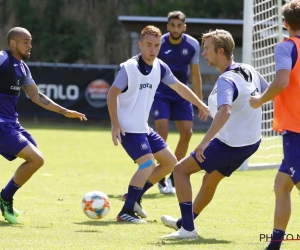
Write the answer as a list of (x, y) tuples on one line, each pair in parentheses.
[(200, 240), (6, 224), (104, 223), (146, 196)]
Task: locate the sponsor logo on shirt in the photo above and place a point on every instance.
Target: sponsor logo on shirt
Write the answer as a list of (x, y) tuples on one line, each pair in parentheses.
[(15, 88), (254, 92), (214, 91), (185, 52), (145, 85), (168, 51)]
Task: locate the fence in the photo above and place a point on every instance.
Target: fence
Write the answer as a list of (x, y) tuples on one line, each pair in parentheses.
[(81, 87)]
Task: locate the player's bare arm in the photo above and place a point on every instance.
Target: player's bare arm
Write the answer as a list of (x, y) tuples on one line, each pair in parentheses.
[(196, 80), (46, 103), (219, 120), (112, 109), (280, 82), (189, 95)]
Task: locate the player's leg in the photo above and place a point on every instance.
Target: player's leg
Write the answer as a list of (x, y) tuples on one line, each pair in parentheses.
[(182, 113), (203, 198), (217, 165), (162, 128), (185, 129), (160, 111), (17, 142), (182, 172), (283, 187), (142, 155), (287, 177), (162, 154)]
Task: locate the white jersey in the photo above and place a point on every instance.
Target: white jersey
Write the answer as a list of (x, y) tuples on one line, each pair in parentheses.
[(134, 105), (244, 124)]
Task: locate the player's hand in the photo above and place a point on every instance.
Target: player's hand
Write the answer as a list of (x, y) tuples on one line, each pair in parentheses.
[(203, 112), (74, 114), (200, 150), (116, 132), (255, 101)]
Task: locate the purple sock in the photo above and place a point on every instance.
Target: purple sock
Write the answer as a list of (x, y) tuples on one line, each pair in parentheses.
[(132, 196), (186, 209), (148, 185), (9, 191), (179, 222), (277, 237)]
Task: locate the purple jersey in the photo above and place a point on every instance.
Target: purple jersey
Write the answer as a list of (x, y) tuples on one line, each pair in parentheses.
[(8, 103), (178, 57), (286, 55)]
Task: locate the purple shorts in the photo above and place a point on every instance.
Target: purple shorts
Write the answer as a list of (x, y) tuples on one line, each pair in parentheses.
[(13, 138), (291, 151), (223, 158), (174, 110), (137, 145)]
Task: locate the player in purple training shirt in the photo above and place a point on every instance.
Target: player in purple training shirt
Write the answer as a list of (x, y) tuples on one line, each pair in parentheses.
[(15, 141), (181, 53)]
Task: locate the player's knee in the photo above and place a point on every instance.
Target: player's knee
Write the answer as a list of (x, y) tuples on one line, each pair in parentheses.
[(162, 130), (186, 134), (146, 164), (178, 169), (38, 161), (281, 190), (211, 181)]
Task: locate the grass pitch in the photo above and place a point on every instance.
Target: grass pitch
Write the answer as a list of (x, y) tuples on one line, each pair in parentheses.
[(78, 160)]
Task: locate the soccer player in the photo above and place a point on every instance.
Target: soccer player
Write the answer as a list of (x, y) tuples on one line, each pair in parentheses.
[(234, 135), (129, 102), (181, 53), (285, 90), (15, 141)]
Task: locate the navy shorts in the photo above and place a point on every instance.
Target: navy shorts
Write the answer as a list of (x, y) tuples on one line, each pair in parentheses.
[(223, 158), (291, 160), (13, 138), (137, 145), (174, 110)]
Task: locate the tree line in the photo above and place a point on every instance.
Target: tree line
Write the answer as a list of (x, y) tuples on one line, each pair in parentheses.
[(88, 31)]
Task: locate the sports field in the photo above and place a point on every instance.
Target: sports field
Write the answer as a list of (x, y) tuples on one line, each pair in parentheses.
[(78, 160)]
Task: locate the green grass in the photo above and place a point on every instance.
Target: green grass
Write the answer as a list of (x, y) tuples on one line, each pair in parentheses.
[(82, 160)]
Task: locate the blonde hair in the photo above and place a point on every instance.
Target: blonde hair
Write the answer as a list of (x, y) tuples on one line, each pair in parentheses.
[(291, 14), (150, 30), (222, 39)]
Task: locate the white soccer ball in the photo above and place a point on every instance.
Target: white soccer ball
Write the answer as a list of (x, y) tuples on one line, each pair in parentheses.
[(95, 205)]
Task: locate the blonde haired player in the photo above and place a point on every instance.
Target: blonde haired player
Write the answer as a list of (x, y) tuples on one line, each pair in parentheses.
[(233, 136)]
